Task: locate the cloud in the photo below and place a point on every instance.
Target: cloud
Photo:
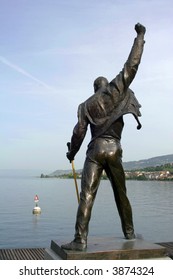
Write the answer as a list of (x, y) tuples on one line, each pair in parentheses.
[(26, 74)]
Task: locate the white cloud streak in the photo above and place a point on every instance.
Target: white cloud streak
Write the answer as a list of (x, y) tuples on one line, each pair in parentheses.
[(25, 73)]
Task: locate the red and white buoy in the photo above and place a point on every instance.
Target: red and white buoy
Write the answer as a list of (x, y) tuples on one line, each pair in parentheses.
[(37, 209)]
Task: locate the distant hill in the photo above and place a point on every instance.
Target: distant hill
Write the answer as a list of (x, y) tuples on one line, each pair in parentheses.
[(57, 173), (128, 166), (151, 162)]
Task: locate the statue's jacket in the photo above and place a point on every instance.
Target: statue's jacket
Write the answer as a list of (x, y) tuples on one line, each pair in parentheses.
[(102, 112)]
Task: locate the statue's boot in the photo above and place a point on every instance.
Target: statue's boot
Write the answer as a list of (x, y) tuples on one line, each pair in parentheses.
[(130, 236), (75, 246)]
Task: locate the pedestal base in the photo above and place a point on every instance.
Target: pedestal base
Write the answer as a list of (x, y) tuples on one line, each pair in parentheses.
[(108, 249)]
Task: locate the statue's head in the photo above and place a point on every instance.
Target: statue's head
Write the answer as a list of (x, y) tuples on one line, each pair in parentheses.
[(100, 82)]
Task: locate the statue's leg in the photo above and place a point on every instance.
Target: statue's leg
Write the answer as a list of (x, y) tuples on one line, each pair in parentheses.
[(116, 175), (89, 185)]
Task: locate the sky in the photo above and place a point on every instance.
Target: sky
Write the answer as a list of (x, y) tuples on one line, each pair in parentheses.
[(51, 51)]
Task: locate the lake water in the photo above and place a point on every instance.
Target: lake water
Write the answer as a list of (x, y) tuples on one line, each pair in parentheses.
[(152, 204)]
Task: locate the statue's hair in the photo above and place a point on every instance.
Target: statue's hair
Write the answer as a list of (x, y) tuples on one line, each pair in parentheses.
[(100, 82)]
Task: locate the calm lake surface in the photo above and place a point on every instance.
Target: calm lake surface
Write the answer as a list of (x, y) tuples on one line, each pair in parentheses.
[(152, 204)]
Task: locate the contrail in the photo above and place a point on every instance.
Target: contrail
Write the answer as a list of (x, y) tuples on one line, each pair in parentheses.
[(25, 73)]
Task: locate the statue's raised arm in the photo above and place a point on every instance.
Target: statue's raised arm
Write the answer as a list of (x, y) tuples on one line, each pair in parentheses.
[(123, 80)]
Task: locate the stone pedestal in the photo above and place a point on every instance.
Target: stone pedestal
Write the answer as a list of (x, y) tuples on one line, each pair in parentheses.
[(108, 249)]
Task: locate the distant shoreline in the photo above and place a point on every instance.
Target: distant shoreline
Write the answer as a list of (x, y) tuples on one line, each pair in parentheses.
[(158, 173), (158, 168)]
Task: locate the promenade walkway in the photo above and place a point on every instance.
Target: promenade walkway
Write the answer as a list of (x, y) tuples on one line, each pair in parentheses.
[(38, 253)]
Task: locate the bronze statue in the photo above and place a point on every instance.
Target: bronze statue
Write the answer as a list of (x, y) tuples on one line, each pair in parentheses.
[(104, 112)]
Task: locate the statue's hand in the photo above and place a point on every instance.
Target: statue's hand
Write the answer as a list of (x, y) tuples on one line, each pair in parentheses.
[(70, 156), (140, 29)]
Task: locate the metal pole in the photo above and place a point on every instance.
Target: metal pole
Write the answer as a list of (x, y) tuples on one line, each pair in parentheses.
[(74, 174), (75, 180)]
